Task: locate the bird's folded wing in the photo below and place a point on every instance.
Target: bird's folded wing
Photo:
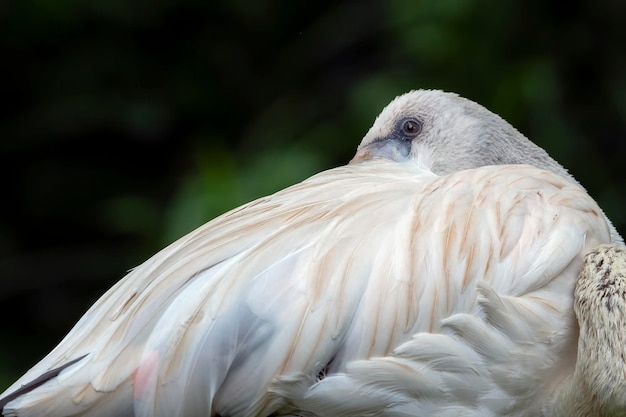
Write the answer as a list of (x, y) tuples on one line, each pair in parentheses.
[(498, 362), (508, 350), (345, 266)]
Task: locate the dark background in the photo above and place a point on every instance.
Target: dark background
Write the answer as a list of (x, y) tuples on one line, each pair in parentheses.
[(128, 123)]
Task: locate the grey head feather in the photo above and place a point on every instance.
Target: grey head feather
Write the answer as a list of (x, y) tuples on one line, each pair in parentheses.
[(456, 134)]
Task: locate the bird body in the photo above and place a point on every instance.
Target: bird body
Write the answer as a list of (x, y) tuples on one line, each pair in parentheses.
[(346, 266), (392, 286)]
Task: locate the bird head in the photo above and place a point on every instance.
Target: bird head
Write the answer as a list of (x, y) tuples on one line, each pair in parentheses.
[(447, 133)]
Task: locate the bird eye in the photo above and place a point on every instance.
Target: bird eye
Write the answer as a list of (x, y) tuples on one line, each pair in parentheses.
[(411, 127)]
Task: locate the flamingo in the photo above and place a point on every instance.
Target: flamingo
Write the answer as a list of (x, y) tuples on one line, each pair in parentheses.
[(434, 274)]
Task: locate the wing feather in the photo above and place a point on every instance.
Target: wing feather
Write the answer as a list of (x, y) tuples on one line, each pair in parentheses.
[(389, 280)]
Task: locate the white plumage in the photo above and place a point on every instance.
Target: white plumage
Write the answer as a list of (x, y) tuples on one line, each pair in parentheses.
[(414, 281)]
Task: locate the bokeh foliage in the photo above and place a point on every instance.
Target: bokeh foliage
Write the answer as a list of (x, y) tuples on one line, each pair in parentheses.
[(128, 123)]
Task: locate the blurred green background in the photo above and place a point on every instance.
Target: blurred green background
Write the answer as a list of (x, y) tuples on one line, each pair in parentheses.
[(128, 123)]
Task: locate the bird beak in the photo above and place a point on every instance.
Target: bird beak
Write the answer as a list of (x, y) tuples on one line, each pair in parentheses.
[(362, 154), (392, 148)]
